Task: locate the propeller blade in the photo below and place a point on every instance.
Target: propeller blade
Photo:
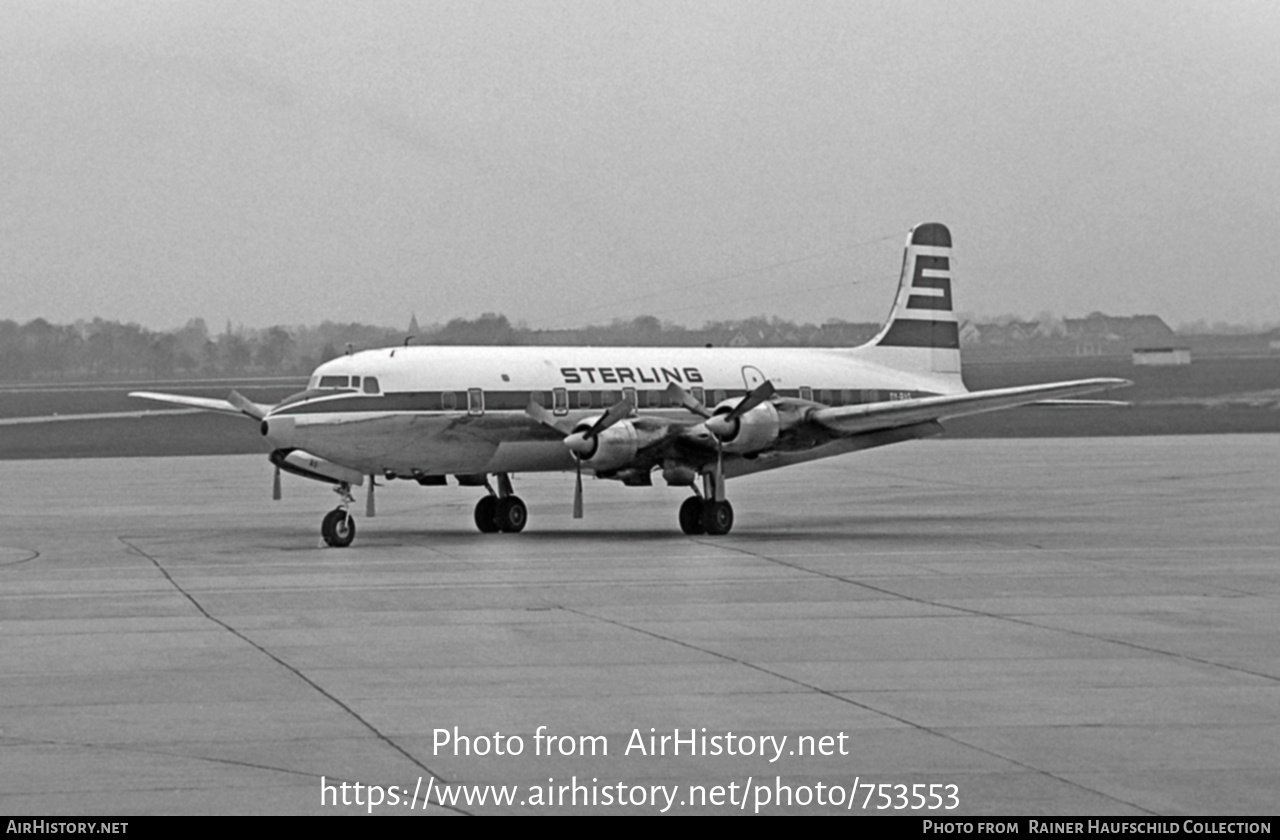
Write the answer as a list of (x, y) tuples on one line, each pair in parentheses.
[(686, 399), (246, 405), (547, 418), (759, 395), (719, 488), (275, 486), (616, 412), (577, 494), (368, 504)]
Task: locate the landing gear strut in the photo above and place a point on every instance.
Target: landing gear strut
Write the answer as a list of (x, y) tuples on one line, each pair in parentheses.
[(501, 510), (339, 527)]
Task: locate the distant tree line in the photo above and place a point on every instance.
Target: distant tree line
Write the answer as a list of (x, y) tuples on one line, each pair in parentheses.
[(39, 351), (89, 350)]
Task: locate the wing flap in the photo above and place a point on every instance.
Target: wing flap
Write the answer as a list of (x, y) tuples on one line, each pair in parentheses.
[(856, 419)]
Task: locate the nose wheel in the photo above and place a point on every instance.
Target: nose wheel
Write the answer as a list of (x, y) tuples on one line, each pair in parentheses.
[(338, 528)]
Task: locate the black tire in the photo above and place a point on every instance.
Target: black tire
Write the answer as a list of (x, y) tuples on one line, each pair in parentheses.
[(338, 528), (717, 518), (691, 516), (512, 515), (487, 515)]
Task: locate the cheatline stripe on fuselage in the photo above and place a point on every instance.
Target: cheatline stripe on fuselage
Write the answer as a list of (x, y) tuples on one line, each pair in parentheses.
[(518, 400)]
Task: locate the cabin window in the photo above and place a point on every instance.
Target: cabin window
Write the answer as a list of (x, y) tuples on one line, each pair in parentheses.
[(806, 393), (607, 398), (653, 399), (629, 394), (560, 401), (584, 399), (475, 401), (846, 397), (371, 384), (448, 400), (355, 382), (333, 381), (825, 397), (719, 395)]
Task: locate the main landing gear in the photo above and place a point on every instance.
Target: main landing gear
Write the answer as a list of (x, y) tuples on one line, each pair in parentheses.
[(501, 510), (706, 516), (710, 514)]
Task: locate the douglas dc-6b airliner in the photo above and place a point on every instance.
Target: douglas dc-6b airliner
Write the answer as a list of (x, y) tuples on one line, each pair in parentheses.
[(699, 415)]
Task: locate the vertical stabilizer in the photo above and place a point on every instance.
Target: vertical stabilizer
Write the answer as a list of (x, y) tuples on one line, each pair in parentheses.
[(921, 334)]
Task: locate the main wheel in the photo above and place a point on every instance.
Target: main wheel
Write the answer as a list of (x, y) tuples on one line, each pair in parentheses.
[(487, 515), (338, 528), (717, 517), (691, 516), (512, 515)]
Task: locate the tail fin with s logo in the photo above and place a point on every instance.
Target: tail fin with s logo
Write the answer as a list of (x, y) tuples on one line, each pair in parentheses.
[(922, 334)]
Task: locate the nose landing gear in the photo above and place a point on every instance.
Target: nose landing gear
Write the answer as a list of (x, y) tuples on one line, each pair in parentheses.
[(338, 528)]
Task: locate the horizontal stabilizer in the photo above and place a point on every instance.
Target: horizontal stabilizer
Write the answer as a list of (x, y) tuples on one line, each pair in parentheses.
[(856, 419), (204, 403)]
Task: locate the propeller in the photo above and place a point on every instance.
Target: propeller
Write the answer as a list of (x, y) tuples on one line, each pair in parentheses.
[(275, 485), (581, 442), (722, 426)]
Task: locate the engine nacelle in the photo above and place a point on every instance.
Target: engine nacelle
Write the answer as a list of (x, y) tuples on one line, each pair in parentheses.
[(613, 448), (752, 432), (314, 467)]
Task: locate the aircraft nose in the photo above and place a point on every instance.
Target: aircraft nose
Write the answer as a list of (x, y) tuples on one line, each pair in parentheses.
[(278, 431)]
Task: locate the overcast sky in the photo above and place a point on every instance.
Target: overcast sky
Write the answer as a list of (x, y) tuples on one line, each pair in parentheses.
[(569, 163)]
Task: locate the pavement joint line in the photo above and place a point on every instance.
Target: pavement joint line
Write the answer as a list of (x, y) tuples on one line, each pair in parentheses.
[(1009, 618), (290, 668), (19, 742), (842, 698)]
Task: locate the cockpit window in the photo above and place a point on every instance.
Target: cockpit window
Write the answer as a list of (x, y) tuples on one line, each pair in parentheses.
[(334, 381), (371, 384)]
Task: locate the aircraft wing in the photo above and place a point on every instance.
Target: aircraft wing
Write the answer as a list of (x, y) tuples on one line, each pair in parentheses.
[(857, 419), (241, 407)]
